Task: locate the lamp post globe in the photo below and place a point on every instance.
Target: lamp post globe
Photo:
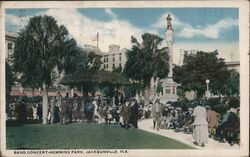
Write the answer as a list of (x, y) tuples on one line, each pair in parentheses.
[(207, 92), (207, 81)]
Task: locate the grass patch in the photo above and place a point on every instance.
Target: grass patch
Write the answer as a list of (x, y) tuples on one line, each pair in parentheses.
[(23, 122), (85, 136)]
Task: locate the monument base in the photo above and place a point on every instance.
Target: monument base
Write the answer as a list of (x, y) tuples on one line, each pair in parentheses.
[(168, 97), (169, 91)]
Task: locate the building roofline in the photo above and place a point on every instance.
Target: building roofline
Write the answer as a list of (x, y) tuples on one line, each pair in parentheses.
[(232, 62), (11, 34)]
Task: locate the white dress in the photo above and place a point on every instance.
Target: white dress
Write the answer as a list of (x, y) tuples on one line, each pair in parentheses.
[(35, 116), (200, 133), (96, 113)]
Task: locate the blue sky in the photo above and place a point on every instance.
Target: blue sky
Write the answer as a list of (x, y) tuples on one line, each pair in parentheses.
[(206, 28)]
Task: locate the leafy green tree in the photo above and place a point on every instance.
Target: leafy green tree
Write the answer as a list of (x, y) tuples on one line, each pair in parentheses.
[(159, 88), (199, 67), (232, 86), (73, 60), (146, 60), (43, 48), (10, 78), (93, 61), (234, 102), (117, 70)]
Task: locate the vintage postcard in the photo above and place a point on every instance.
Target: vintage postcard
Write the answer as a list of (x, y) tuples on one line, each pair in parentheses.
[(124, 78)]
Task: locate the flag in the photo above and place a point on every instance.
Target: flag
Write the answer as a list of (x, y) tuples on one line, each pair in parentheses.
[(96, 37)]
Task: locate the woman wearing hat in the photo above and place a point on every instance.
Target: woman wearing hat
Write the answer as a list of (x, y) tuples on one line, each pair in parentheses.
[(200, 133), (212, 119)]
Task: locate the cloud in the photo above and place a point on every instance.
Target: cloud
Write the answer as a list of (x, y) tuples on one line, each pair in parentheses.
[(15, 22), (162, 22), (84, 29), (110, 12), (210, 31), (227, 50), (117, 31), (188, 31)]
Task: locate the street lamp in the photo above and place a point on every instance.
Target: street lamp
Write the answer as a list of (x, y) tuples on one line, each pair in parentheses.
[(207, 92)]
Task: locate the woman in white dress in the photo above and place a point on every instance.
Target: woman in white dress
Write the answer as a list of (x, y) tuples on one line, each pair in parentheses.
[(200, 133)]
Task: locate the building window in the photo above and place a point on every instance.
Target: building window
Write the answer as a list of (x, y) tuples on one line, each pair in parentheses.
[(113, 66), (10, 45), (120, 64), (113, 58), (120, 57), (107, 66), (104, 59)]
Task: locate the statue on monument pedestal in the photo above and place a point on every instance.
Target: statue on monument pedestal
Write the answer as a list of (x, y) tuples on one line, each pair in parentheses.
[(169, 86), (169, 25)]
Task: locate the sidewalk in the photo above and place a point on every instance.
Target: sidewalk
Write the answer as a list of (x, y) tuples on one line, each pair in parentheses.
[(147, 125)]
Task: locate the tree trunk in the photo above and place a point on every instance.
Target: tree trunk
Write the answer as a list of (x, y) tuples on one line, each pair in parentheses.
[(45, 104), (146, 94), (33, 94)]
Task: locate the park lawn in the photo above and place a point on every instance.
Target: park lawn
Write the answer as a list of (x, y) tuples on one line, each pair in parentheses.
[(85, 136)]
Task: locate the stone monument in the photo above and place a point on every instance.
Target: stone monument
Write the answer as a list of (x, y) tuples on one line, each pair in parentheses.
[(168, 84)]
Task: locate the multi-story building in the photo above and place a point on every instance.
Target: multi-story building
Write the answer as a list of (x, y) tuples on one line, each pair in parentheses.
[(233, 65), (10, 39), (114, 58)]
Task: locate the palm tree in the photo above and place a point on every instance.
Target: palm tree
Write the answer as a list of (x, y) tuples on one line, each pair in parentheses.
[(147, 60), (232, 84), (43, 48)]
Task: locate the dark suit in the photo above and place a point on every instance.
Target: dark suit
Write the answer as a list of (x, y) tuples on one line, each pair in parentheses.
[(134, 114), (126, 114)]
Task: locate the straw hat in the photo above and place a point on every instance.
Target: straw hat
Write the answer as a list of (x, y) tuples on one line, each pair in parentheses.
[(178, 108)]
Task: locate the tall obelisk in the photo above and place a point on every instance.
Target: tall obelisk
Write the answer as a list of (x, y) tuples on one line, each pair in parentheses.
[(170, 40), (169, 86)]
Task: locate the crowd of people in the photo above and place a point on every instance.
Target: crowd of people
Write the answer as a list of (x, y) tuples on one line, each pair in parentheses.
[(90, 109), (201, 121), (19, 110)]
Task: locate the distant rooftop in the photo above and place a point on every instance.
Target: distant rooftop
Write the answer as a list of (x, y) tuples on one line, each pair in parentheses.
[(113, 49), (11, 34), (232, 62)]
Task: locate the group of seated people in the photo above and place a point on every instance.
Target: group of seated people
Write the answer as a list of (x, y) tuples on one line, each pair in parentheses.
[(221, 128)]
